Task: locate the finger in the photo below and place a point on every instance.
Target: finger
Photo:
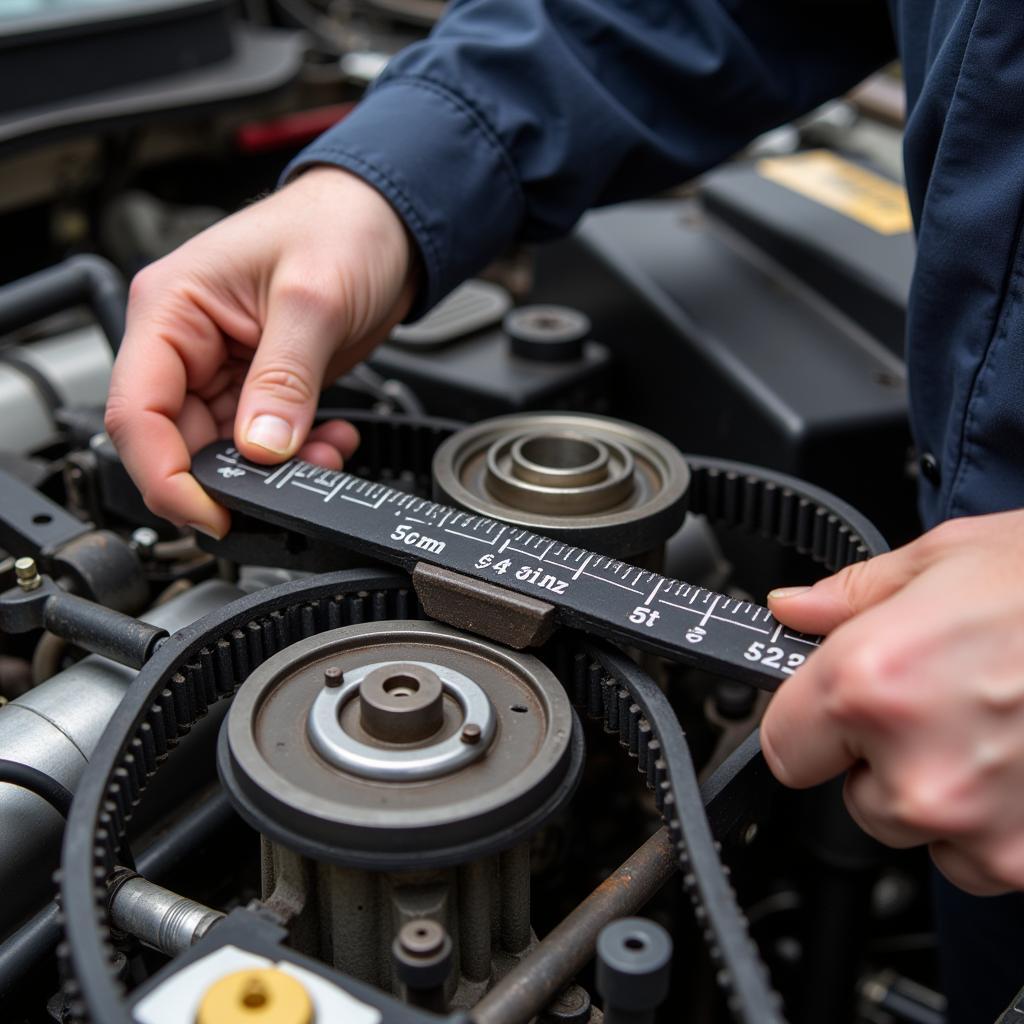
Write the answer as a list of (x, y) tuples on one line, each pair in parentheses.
[(831, 601), (964, 870), (196, 423), (339, 434), (870, 804), (802, 743), (147, 394), (280, 393), (222, 409), (321, 454)]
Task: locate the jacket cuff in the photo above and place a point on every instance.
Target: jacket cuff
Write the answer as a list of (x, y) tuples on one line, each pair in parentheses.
[(429, 152)]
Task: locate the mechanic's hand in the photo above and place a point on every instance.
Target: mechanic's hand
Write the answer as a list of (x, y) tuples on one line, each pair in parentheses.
[(234, 334), (919, 693)]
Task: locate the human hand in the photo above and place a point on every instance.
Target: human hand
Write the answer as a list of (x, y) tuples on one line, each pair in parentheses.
[(918, 693), (235, 332)]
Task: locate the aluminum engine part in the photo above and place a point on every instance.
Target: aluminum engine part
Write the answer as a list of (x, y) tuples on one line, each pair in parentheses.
[(157, 916), (72, 368), (55, 727), (601, 483), (396, 772)]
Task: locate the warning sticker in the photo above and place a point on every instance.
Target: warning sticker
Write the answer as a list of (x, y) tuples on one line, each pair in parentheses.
[(863, 196)]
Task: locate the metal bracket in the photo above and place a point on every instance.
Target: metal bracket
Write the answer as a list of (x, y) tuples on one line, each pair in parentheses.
[(504, 616)]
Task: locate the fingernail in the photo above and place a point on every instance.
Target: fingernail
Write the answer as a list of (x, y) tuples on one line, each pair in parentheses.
[(783, 592), (270, 432), (206, 530)]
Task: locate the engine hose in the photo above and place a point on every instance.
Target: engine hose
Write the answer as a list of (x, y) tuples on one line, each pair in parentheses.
[(35, 781)]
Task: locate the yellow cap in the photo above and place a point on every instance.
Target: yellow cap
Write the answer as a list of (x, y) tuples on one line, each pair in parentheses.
[(263, 995)]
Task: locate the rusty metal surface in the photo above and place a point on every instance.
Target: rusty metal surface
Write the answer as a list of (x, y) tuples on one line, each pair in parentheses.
[(511, 619), (539, 978)]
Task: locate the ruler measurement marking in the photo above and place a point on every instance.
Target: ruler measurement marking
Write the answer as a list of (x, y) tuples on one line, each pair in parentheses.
[(469, 536), (337, 487), (308, 487), (579, 572), (714, 603), (280, 483), (357, 501), (273, 476), (613, 583), (717, 618), (801, 640)]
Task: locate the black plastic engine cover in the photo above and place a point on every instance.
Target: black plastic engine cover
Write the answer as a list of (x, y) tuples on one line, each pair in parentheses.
[(723, 350)]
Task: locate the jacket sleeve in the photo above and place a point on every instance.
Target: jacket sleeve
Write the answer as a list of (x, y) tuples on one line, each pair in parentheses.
[(515, 116)]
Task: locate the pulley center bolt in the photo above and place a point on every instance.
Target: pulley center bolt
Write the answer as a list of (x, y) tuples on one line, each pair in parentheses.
[(401, 703)]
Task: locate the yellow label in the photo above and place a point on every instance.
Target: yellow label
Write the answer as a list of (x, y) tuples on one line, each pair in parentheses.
[(861, 195)]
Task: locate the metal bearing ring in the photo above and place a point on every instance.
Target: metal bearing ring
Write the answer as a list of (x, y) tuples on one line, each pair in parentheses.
[(394, 763)]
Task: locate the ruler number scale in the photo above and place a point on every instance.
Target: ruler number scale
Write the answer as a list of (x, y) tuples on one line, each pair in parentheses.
[(601, 595)]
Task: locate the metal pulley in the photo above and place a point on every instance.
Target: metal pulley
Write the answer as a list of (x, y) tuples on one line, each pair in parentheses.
[(399, 744), (600, 483)]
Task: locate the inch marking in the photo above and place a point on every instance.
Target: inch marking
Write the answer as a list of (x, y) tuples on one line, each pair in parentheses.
[(469, 536), (308, 487), (714, 603), (800, 640), (579, 572), (291, 472), (708, 615)]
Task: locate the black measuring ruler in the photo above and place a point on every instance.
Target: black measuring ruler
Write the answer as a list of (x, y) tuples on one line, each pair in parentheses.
[(447, 549)]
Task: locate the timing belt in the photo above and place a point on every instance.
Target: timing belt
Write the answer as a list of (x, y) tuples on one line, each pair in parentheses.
[(207, 662)]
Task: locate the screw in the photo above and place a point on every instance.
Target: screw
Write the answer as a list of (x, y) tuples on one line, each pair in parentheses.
[(27, 574), (421, 937), (145, 539), (471, 733), (333, 676)]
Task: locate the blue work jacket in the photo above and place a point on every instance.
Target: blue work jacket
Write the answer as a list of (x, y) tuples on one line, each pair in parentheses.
[(515, 116)]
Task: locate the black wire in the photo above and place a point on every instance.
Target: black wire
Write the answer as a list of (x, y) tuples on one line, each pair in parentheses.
[(35, 781)]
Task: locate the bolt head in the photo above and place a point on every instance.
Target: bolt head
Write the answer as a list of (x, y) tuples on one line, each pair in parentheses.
[(27, 573), (333, 676), (421, 937), (145, 538), (471, 733)]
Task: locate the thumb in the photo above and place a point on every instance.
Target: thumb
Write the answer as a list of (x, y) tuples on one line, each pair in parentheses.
[(279, 398), (831, 601)]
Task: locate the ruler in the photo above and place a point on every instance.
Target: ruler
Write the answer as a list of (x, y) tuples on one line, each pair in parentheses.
[(472, 562)]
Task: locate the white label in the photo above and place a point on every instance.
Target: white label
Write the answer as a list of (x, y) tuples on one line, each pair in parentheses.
[(177, 1000)]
